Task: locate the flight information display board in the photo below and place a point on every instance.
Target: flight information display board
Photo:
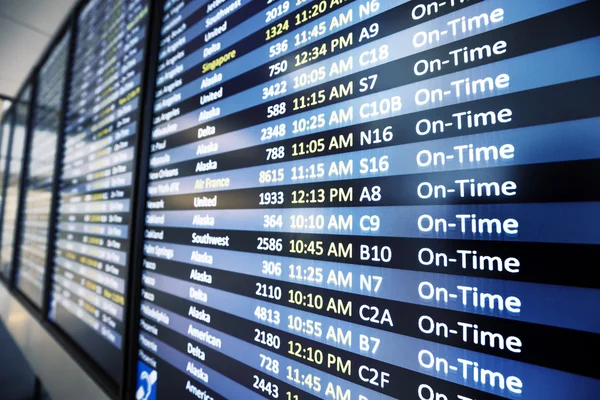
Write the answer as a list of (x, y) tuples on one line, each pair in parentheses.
[(93, 240), (14, 166), (5, 131), (38, 184), (373, 199)]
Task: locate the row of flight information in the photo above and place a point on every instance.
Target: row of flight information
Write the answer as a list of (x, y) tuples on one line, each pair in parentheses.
[(315, 199)]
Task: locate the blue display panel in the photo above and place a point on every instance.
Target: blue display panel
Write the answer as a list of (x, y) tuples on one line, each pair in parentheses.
[(90, 270), (14, 167), (373, 199), (39, 179)]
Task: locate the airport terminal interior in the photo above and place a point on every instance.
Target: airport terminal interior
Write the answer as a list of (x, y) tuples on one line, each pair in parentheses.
[(299, 199)]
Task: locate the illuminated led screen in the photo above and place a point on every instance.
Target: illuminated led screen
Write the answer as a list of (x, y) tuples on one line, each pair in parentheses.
[(39, 179), (12, 188), (373, 199), (93, 238), (6, 129)]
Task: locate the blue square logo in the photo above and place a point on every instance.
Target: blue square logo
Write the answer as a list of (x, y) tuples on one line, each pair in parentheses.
[(146, 382)]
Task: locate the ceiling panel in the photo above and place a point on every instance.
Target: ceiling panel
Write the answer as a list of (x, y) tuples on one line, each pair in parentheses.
[(26, 28)]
